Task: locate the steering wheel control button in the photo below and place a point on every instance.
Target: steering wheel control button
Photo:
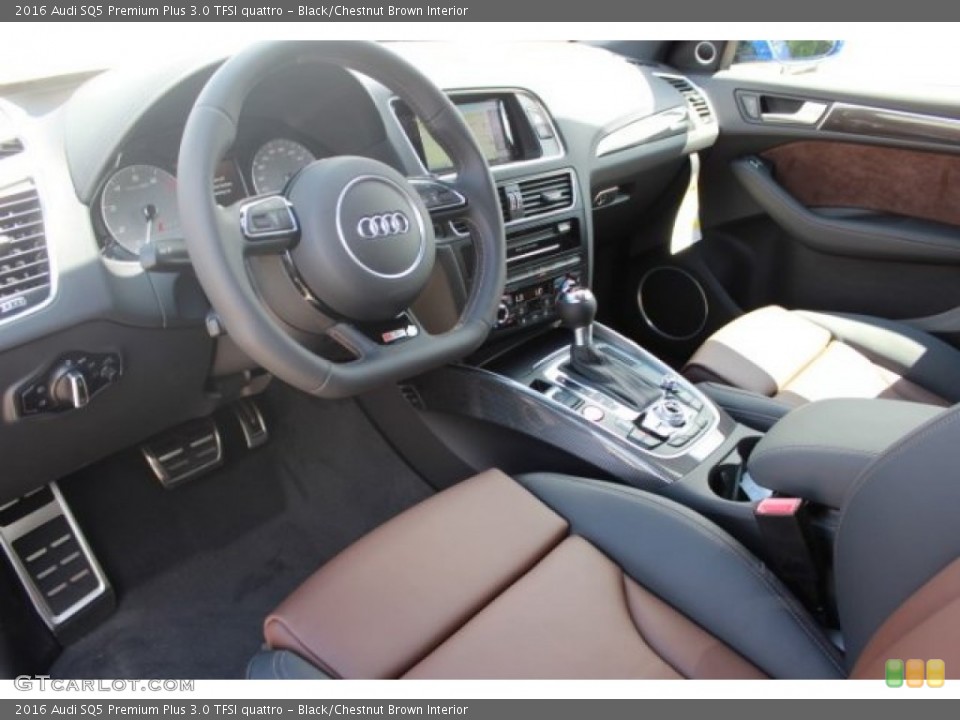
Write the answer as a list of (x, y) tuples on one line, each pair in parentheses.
[(436, 196), (70, 383), (593, 413), (268, 218)]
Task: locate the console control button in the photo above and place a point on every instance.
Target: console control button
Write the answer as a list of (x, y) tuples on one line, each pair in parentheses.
[(593, 413), (645, 439), (567, 398), (680, 439)]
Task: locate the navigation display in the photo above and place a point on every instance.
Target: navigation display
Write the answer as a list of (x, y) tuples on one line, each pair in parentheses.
[(485, 118)]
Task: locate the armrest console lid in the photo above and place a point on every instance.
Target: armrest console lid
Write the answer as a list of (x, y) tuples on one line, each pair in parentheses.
[(818, 450)]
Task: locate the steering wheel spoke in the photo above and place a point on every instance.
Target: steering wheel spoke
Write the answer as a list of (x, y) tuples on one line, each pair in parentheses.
[(439, 197), (269, 225), (378, 339)]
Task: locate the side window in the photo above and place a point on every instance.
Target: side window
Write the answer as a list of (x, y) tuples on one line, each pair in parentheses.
[(862, 62), (785, 56)]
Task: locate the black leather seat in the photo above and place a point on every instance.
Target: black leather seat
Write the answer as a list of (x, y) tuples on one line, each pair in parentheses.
[(550, 576), (771, 360)]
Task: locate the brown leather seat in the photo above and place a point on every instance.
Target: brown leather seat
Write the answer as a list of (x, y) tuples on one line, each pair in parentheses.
[(549, 576), (795, 357)]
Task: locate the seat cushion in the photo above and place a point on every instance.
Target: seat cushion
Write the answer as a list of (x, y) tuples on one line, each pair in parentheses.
[(387, 600), (797, 357), (486, 580), (576, 615)]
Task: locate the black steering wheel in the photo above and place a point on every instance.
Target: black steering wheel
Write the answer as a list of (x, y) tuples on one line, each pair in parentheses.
[(356, 231)]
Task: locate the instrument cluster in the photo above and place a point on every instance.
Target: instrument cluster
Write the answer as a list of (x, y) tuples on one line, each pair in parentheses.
[(137, 203)]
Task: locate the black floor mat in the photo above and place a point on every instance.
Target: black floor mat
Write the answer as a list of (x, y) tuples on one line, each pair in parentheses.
[(197, 568)]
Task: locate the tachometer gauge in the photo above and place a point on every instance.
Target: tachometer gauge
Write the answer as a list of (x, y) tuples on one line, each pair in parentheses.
[(276, 162), (139, 205)]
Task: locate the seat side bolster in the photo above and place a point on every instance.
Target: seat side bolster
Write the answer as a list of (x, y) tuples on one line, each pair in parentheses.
[(926, 626), (912, 494), (743, 605), (282, 665)]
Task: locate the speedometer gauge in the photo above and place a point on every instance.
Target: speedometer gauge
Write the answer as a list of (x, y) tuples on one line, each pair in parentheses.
[(276, 162), (139, 205)]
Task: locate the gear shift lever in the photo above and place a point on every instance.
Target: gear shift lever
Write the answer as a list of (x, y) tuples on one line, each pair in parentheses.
[(577, 308)]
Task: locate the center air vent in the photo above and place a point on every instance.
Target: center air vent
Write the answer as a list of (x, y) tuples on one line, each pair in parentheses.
[(536, 196), (24, 263), (693, 95)]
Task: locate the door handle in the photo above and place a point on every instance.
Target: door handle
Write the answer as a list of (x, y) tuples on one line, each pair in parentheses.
[(809, 113)]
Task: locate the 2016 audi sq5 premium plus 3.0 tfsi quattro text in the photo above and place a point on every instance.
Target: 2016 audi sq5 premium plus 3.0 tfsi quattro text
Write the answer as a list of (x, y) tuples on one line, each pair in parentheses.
[(552, 360)]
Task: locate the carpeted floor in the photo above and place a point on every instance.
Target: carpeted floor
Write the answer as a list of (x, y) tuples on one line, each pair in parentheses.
[(197, 568)]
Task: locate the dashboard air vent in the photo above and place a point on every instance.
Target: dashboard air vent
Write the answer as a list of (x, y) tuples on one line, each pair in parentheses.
[(10, 147), (693, 96), (504, 202), (25, 279), (536, 196), (10, 144)]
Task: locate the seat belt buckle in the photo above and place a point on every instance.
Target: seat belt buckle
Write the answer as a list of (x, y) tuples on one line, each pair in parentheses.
[(782, 522)]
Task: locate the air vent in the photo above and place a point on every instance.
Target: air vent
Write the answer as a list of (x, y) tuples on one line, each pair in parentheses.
[(536, 196), (694, 97), (24, 263), (504, 202), (10, 144), (10, 147)]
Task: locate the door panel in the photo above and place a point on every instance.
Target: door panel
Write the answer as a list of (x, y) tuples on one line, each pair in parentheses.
[(845, 231), (854, 216), (890, 180)]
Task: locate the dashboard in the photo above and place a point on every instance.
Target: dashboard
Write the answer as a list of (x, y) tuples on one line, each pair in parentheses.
[(88, 168)]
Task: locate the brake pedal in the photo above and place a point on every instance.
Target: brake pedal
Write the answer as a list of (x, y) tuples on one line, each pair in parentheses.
[(184, 452), (251, 421), (51, 557)]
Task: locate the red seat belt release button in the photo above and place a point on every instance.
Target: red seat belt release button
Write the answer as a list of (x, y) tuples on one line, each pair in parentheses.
[(779, 506)]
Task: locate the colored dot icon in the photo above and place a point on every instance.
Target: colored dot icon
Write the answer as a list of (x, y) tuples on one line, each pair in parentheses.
[(914, 671)]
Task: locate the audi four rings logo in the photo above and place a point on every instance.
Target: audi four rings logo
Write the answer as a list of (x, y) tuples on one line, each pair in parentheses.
[(382, 226)]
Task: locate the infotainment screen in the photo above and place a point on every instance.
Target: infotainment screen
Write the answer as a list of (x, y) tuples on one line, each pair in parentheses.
[(487, 121)]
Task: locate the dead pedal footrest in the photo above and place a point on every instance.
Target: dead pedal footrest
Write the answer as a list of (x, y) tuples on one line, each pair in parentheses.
[(184, 452), (50, 555)]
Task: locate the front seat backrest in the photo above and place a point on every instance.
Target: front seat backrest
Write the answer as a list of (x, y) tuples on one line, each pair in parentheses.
[(897, 550)]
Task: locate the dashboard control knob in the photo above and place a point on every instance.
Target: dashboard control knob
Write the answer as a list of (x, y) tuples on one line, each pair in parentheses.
[(503, 314), (70, 388)]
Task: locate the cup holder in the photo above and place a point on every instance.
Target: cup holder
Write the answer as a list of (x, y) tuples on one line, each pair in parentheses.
[(726, 477)]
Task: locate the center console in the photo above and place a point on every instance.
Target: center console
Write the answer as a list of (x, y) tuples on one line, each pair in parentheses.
[(624, 391)]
